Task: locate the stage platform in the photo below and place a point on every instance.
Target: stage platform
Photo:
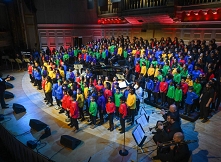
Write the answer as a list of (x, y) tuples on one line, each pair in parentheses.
[(99, 144), (192, 118)]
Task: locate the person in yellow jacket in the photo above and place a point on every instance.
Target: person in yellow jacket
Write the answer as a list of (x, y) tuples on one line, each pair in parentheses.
[(61, 70), (80, 100), (156, 71), (143, 69), (48, 91), (150, 71), (131, 104), (51, 73)]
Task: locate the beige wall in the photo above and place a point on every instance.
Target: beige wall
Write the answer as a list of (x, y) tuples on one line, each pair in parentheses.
[(64, 37)]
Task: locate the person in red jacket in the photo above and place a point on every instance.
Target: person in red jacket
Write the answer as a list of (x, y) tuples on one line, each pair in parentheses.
[(163, 91), (43, 85), (30, 69), (107, 91), (99, 85), (110, 109), (64, 102), (69, 100), (123, 113), (137, 69), (184, 87), (74, 113)]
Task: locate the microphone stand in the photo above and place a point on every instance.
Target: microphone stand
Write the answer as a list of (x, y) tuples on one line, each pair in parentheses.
[(124, 152)]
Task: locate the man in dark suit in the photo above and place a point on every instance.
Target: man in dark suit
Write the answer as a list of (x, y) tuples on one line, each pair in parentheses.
[(176, 153), (2, 92)]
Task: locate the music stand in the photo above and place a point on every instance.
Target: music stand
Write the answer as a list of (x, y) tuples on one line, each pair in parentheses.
[(142, 111), (143, 120), (27, 60), (18, 62), (139, 136), (11, 61), (120, 77), (102, 64)]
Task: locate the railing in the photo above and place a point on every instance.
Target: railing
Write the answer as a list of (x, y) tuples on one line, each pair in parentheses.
[(194, 2), (114, 8), (138, 4)]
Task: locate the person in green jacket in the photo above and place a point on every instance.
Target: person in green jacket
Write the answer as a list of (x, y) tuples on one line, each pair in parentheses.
[(170, 93), (65, 57), (93, 111), (184, 72), (165, 68), (117, 96), (178, 96), (197, 87), (160, 77), (177, 77), (125, 53)]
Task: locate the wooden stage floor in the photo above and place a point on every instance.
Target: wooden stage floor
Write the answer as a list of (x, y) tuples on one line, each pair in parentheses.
[(99, 144)]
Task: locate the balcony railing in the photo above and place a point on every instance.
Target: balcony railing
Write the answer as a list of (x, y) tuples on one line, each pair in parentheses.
[(195, 2), (114, 8)]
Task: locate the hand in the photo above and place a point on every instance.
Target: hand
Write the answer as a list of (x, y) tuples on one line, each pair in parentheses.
[(172, 147), (163, 112), (207, 105)]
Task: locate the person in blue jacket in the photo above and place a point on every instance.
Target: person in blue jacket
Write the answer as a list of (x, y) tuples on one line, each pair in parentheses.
[(101, 102), (149, 88), (195, 73), (59, 95), (191, 96), (38, 78), (54, 87)]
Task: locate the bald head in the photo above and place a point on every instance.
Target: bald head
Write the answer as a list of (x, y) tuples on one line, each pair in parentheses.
[(178, 137), (172, 108)]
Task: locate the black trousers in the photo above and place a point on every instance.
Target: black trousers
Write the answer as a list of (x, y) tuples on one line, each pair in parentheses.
[(74, 122), (49, 97), (122, 123), (138, 105), (149, 92), (81, 112), (156, 97), (93, 119), (177, 103), (188, 108), (132, 114), (204, 111), (163, 97), (170, 101), (58, 102), (111, 118), (39, 83), (101, 114)]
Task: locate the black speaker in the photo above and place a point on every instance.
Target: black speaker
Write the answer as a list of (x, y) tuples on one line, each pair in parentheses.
[(32, 144), (8, 95), (18, 108), (69, 141), (8, 85), (37, 124)]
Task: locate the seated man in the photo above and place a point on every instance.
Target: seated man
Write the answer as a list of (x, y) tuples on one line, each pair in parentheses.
[(165, 132), (172, 110), (176, 153)]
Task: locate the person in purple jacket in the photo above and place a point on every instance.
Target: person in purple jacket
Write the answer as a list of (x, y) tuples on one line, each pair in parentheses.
[(101, 102), (156, 90), (191, 96)]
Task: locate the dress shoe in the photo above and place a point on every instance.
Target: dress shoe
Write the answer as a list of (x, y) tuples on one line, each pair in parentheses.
[(82, 119), (5, 107), (108, 128), (120, 129), (121, 132), (204, 120), (155, 158), (69, 124)]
